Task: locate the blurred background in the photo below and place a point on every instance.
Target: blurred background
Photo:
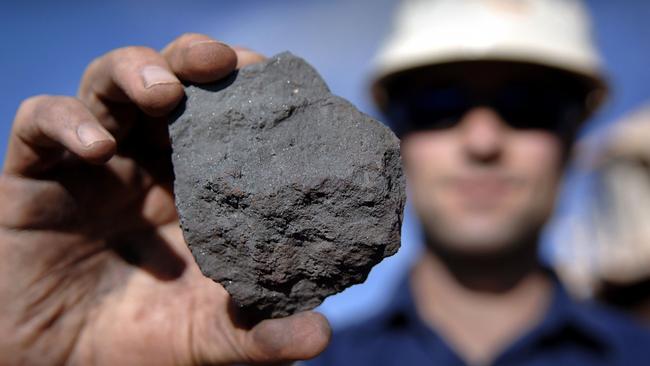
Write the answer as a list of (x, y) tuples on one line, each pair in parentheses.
[(47, 44)]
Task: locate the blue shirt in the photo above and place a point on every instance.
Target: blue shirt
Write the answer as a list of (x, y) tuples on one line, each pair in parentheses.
[(570, 333)]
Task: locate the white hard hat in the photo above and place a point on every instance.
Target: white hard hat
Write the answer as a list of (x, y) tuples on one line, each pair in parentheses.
[(553, 33)]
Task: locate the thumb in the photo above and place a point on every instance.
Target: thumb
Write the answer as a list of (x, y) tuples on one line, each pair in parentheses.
[(297, 337)]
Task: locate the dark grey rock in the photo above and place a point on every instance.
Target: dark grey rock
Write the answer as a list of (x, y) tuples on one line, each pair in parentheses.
[(286, 193)]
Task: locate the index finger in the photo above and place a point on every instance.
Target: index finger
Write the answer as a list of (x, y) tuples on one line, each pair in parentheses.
[(132, 75)]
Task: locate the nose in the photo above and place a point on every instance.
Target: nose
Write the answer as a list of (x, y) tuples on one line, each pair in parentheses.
[(483, 134)]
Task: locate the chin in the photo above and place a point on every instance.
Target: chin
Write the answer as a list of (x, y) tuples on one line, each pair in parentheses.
[(490, 245), (489, 238)]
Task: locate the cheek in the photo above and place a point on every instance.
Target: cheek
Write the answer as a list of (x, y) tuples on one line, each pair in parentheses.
[(539, 155), (425, 153)]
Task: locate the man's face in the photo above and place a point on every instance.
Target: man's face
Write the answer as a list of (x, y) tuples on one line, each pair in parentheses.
[(482, 186)]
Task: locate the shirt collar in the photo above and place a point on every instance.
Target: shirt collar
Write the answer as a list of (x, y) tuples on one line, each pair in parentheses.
[(564, 318)]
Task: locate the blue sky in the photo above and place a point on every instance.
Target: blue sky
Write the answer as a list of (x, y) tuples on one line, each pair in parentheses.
[(46, 45)]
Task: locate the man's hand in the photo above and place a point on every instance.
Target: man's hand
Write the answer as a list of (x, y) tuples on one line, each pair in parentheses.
[(93, 266)]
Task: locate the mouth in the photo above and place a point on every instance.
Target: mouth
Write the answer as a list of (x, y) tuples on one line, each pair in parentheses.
[(483, 189)]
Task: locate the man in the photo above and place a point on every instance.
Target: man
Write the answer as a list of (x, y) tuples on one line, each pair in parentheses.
[(486, 97), (94, 269)]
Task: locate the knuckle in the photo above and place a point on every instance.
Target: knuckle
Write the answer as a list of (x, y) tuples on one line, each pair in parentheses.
[(56, 106), (28, 105), (90, 70), (190, 35), (94, 64), (42, 109), (31, 107), (131, 52), (125, 59)]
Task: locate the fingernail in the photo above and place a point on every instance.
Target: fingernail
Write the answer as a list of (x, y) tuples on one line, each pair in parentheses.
[(90, 133), (206, 41), (153, 75)]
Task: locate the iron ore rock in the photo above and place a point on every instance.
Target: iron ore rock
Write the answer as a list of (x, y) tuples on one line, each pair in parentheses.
[(286, 193)]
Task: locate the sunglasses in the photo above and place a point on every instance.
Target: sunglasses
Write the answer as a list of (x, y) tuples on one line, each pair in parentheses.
[(527, 105)]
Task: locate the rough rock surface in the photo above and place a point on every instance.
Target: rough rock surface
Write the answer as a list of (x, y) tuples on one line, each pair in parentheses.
[(286, 193)]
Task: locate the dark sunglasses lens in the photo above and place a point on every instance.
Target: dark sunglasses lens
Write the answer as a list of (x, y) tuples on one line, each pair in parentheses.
[(543, 107), (429, 110), (555, 107)]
